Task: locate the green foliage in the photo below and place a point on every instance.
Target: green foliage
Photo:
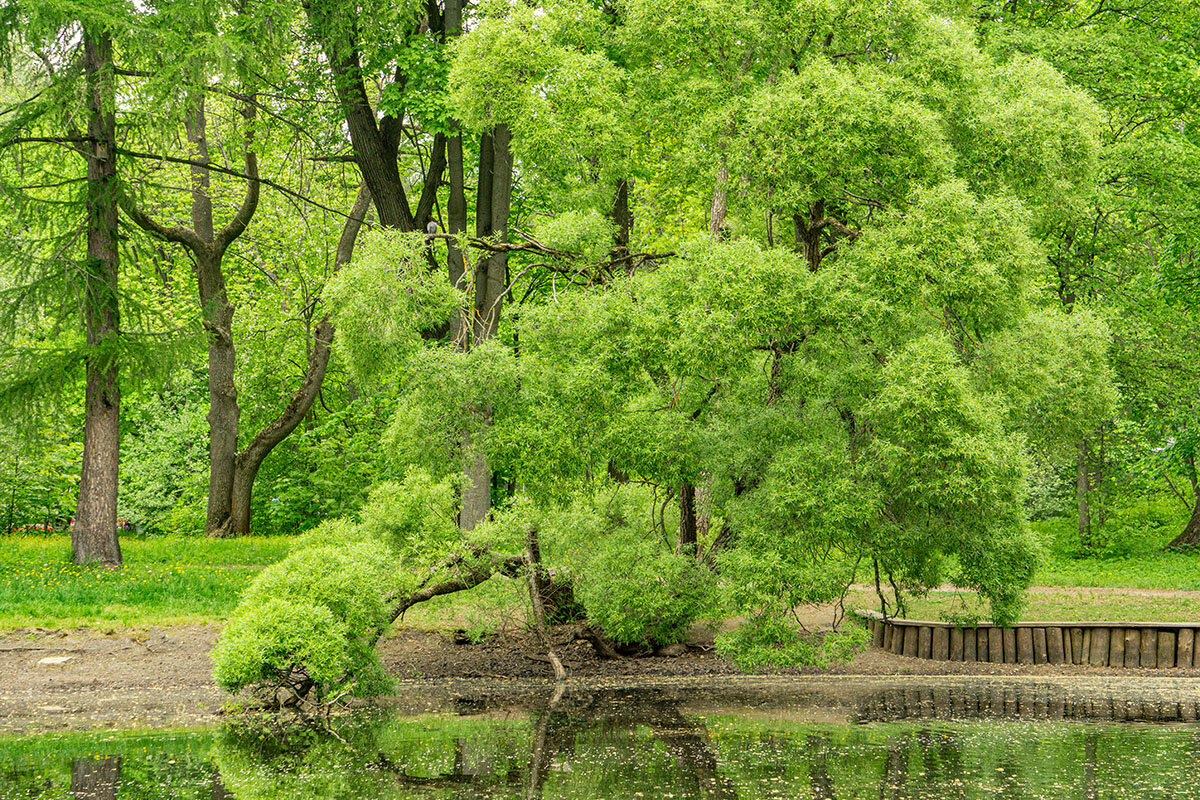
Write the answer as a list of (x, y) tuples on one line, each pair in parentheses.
[(320, 610), (163, 485), (1130, 527), (772, 641), (1057, 372), (383, 298), (639, 592), (310, 622)]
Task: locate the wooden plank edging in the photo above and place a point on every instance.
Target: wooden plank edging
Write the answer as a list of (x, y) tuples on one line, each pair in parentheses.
[(1145, 645)]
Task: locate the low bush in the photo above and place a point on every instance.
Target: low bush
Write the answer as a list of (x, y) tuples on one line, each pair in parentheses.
[(642, 593), (309, 624), (772, 641)]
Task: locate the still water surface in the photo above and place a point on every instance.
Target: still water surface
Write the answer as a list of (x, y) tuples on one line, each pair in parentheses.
[(906, 740)]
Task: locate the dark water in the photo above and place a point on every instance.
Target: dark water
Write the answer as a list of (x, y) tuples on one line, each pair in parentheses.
[(784, 741)]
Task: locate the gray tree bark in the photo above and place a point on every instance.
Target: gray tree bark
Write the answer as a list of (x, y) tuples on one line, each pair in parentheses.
[(94, 536), (208, 249), (248, 461)]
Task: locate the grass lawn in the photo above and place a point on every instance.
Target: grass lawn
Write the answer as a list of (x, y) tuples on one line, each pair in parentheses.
[(1150, 570), (175, 580), (1061, 605), (166, 581)]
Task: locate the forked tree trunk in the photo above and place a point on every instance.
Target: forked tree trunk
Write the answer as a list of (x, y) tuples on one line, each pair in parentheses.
[(223, 409), (251, 458), (94, 537), (208, 248), (491, 280)]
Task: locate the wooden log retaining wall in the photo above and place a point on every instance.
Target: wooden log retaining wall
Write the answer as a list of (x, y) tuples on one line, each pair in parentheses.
[(1146, 645)]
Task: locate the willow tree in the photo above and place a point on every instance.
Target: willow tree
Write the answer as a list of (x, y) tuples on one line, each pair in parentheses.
[(851, 390), (1129, 252)]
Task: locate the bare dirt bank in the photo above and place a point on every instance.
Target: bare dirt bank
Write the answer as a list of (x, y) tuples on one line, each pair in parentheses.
[(161, 677)]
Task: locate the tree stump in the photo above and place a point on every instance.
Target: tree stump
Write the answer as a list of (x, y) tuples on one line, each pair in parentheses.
[(1184, 646), (1039, 645), (995, 645), (910, 640), (1077, 655), (1010, 646), (1116, 647), (1133, 648), (1024, 645), (1099, 650)]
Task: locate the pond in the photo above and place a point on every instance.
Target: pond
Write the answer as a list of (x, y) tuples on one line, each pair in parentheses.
[(746, 739)]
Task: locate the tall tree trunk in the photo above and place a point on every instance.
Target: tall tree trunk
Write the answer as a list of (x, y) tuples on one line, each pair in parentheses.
[(456, 203), (717, 211), (502, 177), (94, 537), (477, 493), (217, 311), (622, 219), (248, 461), (1190, 537), (456, 223), (223, 409), (491, 279), (687, 520)]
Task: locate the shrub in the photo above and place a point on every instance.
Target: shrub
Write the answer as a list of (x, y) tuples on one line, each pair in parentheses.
[(772, 641), (309, 623), (642, 593)]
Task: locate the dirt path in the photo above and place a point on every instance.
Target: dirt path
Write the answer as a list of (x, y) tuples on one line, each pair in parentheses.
[(162, 677)]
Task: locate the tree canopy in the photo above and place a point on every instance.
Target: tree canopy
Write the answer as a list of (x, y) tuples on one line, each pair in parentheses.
[(760, 300)]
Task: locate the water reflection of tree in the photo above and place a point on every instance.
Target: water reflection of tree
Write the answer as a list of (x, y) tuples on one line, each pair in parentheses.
[(818, 769), (687, 741), (95, 778), (895, 769), (559, 720)]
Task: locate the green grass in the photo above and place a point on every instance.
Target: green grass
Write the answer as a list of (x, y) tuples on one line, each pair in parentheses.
[(1067, 605), (1152, 570), (177, 580), (166, 581)]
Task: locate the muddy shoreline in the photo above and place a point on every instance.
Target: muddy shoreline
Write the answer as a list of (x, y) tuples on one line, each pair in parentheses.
[(161, 677)]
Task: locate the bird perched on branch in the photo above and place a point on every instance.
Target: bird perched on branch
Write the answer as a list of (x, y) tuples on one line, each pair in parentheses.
[(431, 227)]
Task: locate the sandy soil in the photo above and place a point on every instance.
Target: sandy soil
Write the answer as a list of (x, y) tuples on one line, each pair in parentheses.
[(162, 677)]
